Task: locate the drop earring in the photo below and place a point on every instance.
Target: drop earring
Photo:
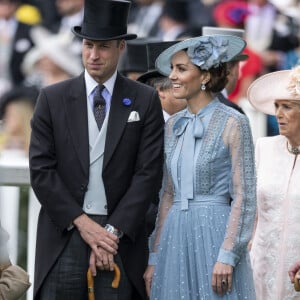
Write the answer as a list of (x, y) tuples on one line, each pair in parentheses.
[(203, 87)]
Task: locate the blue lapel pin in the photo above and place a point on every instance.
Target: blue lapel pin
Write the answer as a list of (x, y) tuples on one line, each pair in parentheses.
[(126, 101)]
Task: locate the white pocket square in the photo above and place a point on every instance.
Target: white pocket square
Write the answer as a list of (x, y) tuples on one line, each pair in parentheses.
[(133, 117)]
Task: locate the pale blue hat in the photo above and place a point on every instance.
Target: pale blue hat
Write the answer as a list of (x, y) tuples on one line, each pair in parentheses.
[(205, 51)]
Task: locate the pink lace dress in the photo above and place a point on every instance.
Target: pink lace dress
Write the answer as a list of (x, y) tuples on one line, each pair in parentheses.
[(276, 243)]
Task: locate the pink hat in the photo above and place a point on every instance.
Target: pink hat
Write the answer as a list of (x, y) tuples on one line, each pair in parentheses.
[(280, 85)]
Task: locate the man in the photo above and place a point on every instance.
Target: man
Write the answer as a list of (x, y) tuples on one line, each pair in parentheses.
[(95, 179), (70, 14), (15, 42)]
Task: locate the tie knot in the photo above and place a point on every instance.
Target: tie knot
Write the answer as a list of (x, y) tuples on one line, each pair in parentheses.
[(98, 98), (101, 87)]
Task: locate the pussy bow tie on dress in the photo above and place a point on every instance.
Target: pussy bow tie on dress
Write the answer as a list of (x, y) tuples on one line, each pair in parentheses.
[(195, 123), (191, 126)]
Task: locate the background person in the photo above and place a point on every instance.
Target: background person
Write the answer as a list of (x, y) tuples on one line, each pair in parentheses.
[(199, 246), (14, 281), (51, 60), (96, 156), (276, 243), (16, 109)]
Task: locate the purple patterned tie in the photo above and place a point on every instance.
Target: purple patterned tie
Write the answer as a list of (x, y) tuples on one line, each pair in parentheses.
[(99, 106)]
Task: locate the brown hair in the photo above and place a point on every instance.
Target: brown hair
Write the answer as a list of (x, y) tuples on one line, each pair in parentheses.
[(218, 78)]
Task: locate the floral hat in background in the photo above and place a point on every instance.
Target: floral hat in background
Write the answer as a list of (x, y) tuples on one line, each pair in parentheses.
[(279, 85), (205, 51)]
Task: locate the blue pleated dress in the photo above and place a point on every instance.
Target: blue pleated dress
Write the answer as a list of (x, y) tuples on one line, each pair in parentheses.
[(209, 160)]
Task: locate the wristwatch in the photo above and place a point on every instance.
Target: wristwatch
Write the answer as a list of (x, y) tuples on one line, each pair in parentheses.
[(114, 230)]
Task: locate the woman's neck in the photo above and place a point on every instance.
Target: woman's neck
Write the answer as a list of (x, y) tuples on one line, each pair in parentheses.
[(196, 103), (294, 142)]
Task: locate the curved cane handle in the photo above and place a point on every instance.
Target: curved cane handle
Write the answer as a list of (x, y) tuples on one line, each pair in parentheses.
[(117, 277)]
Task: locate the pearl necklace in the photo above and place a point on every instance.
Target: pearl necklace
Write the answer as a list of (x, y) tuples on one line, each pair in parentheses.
[(293, 149)]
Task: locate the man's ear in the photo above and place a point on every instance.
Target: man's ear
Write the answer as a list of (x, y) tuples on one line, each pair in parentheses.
[(122, 45)]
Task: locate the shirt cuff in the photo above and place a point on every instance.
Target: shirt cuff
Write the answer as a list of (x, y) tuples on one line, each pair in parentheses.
[(228, 257), (152, 261)]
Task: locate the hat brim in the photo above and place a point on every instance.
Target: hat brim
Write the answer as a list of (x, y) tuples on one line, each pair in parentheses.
[(240, 57), (148, 75), (77, 31), (263, 92), (163, 63)]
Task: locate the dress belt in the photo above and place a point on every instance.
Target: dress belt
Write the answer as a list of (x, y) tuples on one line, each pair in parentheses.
[(204, 199)]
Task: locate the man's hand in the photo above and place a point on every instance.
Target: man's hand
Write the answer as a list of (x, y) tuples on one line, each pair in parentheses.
[(101, 260), (96, 236)]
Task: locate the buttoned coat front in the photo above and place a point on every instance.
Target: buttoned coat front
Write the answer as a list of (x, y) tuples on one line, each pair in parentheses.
[(59, 168)]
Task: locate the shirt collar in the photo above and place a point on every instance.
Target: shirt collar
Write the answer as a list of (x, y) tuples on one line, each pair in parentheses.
[(92, 83)]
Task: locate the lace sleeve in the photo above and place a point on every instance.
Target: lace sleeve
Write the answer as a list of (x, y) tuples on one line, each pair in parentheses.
[(166, 198), (238, 137)]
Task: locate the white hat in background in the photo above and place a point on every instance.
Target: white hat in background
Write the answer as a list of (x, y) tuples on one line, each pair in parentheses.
[(57, 47)]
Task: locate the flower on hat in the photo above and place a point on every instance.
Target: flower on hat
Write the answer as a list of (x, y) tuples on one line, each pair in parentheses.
[(126, 101), (208, 52), (294, 82)]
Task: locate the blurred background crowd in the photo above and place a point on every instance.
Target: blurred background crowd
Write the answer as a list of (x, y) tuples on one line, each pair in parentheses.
[(37, 48)]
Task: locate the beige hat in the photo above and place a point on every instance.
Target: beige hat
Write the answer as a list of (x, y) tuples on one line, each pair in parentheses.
[(280, 85), (55, 46)]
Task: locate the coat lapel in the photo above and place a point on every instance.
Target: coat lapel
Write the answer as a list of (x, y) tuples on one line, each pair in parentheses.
[(75, 104), (118, 116)]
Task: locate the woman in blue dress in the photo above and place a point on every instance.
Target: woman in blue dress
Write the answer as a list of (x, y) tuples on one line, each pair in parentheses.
[(198, 249)]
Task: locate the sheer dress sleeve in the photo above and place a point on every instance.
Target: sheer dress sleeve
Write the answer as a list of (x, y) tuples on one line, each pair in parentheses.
[(237, 136), (166, 196)]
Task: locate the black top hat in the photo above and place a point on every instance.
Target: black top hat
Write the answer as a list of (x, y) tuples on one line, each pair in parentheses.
[(154, 49), (135, 57), (104, 20)]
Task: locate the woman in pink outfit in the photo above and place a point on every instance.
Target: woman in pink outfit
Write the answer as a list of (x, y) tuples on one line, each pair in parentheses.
[(276, 241)]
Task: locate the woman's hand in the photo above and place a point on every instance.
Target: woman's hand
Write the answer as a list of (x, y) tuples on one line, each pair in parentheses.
[(148, 278), (293, 270), (222, 278)]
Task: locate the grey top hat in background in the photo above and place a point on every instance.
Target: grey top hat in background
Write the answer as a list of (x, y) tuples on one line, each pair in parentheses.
[(154, 49), (104, 20), (205, 51), (210, 30)]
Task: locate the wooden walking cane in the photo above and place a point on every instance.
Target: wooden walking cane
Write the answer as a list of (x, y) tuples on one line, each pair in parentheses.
[(90, 281)]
